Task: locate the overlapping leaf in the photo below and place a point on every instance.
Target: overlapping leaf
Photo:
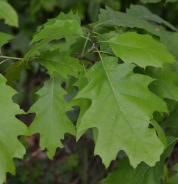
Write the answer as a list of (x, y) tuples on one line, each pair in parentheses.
[(54, 29), (172, 120), (112, 18), (60, 62), (170, 39), (142, 50), (4, 38), (121, 110), (51, 120), (11, 127), (165, 84), (126, 174), (8, 13), (142, 12)]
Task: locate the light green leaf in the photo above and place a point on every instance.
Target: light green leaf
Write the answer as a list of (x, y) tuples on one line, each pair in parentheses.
[(110, 18), (60, 62), (11, 127), (165, 84), (57, 23), (142, 50), (4, 38), (51, 121), (143, 174), (8, 13), (58, 30), (150, 1), (55, 29), (121, 110), (142, 12)]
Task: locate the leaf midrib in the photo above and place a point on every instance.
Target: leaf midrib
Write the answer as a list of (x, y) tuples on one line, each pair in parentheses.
[(117, 99)]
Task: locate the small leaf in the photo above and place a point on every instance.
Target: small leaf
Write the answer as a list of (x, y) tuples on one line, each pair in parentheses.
[(142, 50), (4, 38), (8, 13), (121, 109), (51, 120), (11, 127), (60, 62)]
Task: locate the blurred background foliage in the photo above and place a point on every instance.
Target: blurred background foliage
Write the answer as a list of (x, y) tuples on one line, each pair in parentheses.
[(75, 163)]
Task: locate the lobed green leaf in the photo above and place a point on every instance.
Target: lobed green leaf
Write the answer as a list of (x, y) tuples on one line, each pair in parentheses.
[(126, 174), (142, 50), (11, 128), (121, 110), (51, 121)]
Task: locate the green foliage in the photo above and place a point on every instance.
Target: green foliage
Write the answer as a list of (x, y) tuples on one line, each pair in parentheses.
[(120, 72), (127, 111), (11, 127), (60, 62), (125, 173), (4, 38), (173, 179), (143, 13), (152, 53), (51, 121), (8, 13)]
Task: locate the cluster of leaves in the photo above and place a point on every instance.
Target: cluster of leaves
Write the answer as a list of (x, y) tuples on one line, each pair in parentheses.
[(122, 70)]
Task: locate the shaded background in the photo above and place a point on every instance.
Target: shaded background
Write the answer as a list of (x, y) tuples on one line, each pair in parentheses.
[(75, 163)]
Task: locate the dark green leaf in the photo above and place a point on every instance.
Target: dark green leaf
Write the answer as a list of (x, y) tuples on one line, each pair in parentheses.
[(142, 12)]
